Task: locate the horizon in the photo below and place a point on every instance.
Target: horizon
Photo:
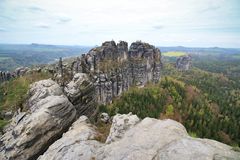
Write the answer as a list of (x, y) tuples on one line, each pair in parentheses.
[(201, 24), (80, 45)]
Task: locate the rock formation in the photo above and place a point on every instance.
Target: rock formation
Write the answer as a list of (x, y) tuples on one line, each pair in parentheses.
[(184, 62), (6, 76), (81, 93), (120, 124), (20, 71), (50, 114), (113, 69), (146, 140), (77, 143)]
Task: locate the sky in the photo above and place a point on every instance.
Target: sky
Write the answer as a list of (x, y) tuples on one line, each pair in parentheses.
[(192, 23)]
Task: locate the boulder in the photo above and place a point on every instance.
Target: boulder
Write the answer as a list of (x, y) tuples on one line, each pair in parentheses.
[(49, 115), (104, 117), (81, 92), (77, 143), (120, 124), (40, 90)]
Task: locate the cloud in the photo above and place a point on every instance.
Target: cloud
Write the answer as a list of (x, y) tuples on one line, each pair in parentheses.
[(63, 19), (35, 9), (210, 8), (3, 29), (42, 25), (5, 17), (158, 27)]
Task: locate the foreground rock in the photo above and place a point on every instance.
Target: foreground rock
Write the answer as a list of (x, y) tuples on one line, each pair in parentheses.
[(77, 143), (146, 140), (40, 90), (50, 114), (81, 92), (120, 124)]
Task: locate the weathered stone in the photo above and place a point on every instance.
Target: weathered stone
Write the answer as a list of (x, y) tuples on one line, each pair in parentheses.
[(146, 140), (81, 92), (163, 139), (20, 71), (40, 90), (184, 62), (120, 124), (49, 116), (196, 148), (104, 117), (77, 143), (115, 69)]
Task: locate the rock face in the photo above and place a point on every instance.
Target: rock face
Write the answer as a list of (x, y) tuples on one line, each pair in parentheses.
[(21, 71), (50, 114), (114, 69), (40, 90), (146, 140), (120, 124), (184, 63), (6, 76), (77, 143), (81, 92)]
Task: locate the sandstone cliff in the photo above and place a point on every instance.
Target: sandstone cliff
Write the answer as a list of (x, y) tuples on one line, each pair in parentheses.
[(113, 68)]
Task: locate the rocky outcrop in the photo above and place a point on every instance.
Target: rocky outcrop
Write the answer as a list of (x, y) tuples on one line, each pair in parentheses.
[(120, 124), (146, 140), (81, 92), (6, 76), (77, 143), (184, 62), (20, 71), (40, 90), (50, 114), (114, 69)]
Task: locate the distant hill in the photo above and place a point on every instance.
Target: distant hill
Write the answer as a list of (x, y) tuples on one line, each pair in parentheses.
[(15, 55), (201, 50)]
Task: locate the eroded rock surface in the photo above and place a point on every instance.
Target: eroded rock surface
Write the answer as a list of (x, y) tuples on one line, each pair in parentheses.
[(81, 92), (40, 90), (146, 140), (184, 62), (120, 124), (50, 114), (77, 143)]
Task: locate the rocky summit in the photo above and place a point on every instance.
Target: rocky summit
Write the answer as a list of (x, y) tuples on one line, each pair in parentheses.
[(58, 118), (113, 68)]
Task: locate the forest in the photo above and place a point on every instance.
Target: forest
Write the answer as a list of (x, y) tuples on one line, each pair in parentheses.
[(205, 99)]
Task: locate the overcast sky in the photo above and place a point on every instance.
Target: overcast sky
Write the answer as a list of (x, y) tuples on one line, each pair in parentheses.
[(203, 23)]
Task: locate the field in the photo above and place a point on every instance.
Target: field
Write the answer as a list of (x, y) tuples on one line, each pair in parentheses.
[(4, 58), (173, 54), (14, 55)]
